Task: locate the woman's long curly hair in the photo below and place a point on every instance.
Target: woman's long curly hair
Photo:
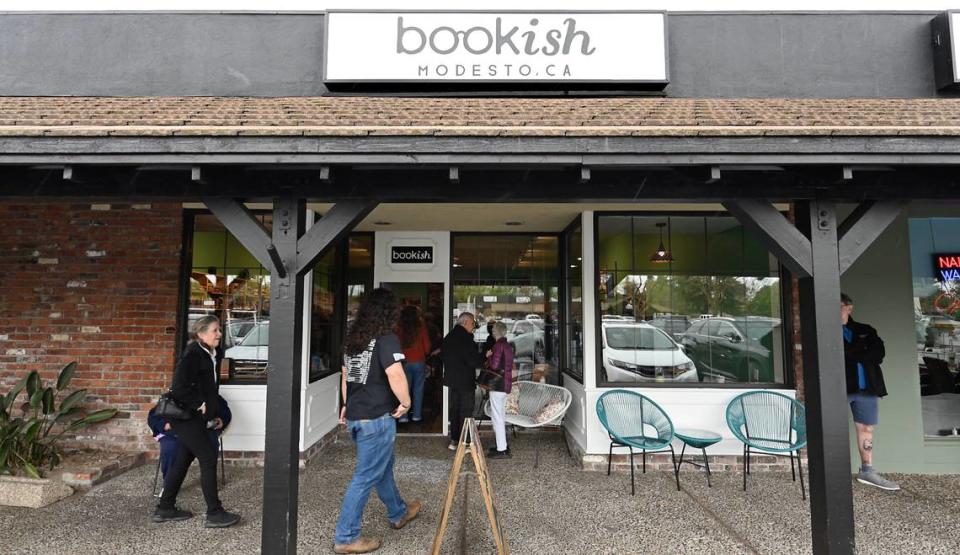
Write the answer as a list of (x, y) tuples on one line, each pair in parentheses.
[(377, 315), (410, 324)]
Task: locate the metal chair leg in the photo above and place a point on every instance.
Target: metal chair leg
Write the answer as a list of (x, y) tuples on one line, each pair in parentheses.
[(633, 490), (566, 442), (746, 455), (792, 472), (644, 461), (676, 467), (609, 458), (803, 490), (748, 459), (706, 464), (156, 476), (223, 473)]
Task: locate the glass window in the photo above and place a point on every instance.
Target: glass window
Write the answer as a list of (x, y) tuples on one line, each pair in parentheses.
[(573, 300), (340, 279), (935, 256), (513, 279), (701, 283), (227, 281)]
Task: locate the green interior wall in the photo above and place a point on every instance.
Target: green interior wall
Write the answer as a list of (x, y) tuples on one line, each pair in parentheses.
[(726, 253), (881, 285), (220, 249)]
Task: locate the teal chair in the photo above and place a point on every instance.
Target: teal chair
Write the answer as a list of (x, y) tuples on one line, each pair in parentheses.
[(634, 421), (769, 422)]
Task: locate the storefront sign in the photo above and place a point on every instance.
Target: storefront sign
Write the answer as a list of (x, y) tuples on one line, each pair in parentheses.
[(411, 255), (489, 298), (523, 300), (946, 267), (492, 47)]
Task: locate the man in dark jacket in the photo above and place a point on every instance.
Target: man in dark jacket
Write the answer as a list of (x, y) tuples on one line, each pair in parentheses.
[(461, 358), (863, 352)]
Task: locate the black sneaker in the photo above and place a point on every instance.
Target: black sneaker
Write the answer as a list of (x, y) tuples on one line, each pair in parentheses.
[(494, 454), (170, 515), (221, 519)]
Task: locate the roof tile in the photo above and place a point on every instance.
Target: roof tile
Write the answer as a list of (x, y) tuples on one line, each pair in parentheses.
[(425, 116)]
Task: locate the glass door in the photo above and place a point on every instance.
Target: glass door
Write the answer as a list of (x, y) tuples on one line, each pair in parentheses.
[(423, 306)]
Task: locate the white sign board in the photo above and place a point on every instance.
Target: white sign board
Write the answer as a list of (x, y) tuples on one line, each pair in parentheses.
[(496, 47)]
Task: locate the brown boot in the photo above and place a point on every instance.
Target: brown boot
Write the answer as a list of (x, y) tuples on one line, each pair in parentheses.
[(360, 545), (413, 509)]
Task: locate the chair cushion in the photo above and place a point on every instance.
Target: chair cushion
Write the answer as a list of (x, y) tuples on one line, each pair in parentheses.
[(512, 406), (548, 411)]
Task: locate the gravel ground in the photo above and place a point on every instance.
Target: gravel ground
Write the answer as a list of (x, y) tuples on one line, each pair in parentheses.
[(555, 508)]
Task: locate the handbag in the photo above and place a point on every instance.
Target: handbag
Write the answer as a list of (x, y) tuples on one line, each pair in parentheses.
[(170, 409), (490, 379)]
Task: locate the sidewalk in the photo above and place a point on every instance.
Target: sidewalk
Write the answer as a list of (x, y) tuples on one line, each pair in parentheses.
[(553, 509)]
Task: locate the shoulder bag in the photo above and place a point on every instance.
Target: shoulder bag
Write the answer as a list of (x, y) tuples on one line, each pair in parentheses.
[(171, 409), (490, 378)]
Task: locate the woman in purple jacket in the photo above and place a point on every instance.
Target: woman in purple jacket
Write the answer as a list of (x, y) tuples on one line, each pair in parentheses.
[(500, 360)]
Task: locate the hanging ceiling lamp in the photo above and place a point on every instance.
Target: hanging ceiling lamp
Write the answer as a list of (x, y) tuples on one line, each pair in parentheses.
[(661, 255)]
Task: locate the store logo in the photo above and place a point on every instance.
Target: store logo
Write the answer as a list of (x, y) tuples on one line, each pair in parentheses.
[(411, 255), (446, 40), (409, 47)]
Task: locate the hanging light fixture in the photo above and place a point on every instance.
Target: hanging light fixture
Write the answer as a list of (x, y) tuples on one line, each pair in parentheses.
[(661, 255)]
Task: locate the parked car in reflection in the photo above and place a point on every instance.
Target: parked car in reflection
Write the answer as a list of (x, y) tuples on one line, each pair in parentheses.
[(250, 355), (527, 339), (639, 352), (673, 324), (235, 331), (732, 349)]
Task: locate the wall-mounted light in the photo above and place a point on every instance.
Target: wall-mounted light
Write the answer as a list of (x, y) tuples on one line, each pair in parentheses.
[(661, 255)]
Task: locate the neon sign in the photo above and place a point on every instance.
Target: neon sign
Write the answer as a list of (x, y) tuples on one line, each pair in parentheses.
[(946, 267)]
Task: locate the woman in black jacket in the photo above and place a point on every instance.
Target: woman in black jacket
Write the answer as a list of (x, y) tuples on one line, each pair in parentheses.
[(195, 383)]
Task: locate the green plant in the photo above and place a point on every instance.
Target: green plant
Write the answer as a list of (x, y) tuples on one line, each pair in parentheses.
[(30, 442)]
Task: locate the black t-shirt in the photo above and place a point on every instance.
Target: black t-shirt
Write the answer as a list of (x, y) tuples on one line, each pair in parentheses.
[(368, 390)]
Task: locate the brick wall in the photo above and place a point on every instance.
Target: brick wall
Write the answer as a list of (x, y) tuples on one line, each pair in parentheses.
[(98, 284)]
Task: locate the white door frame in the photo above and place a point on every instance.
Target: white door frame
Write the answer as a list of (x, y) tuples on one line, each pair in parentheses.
[(438, 271)]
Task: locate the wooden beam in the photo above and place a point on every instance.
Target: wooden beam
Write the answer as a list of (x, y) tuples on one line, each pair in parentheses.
[(245, 227), (781, 237), (863, 226), (333, 226)]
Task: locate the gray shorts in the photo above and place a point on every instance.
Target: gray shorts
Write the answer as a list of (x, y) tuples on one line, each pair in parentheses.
[(865, 408)]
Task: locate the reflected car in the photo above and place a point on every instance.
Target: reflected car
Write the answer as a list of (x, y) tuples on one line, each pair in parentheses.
[(250, 355), (527, 339), (236, 330), (674, 325), (732, 349), (639, 352)]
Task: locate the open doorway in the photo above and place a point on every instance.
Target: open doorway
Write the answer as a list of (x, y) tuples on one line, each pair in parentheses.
[(429, 299)]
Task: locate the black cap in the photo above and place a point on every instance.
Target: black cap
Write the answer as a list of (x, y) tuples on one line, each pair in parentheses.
[(845, 299)]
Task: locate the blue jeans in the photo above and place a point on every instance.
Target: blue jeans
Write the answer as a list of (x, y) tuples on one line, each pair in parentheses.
[(416, 376), (375, 457)]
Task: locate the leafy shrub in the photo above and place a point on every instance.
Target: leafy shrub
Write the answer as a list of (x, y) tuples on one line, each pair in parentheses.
[(30, 442)]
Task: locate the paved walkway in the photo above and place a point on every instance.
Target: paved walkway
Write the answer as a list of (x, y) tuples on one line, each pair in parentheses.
[(554, 509)]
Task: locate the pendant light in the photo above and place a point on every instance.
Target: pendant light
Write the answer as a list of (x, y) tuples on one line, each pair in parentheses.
[(661, 255)]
